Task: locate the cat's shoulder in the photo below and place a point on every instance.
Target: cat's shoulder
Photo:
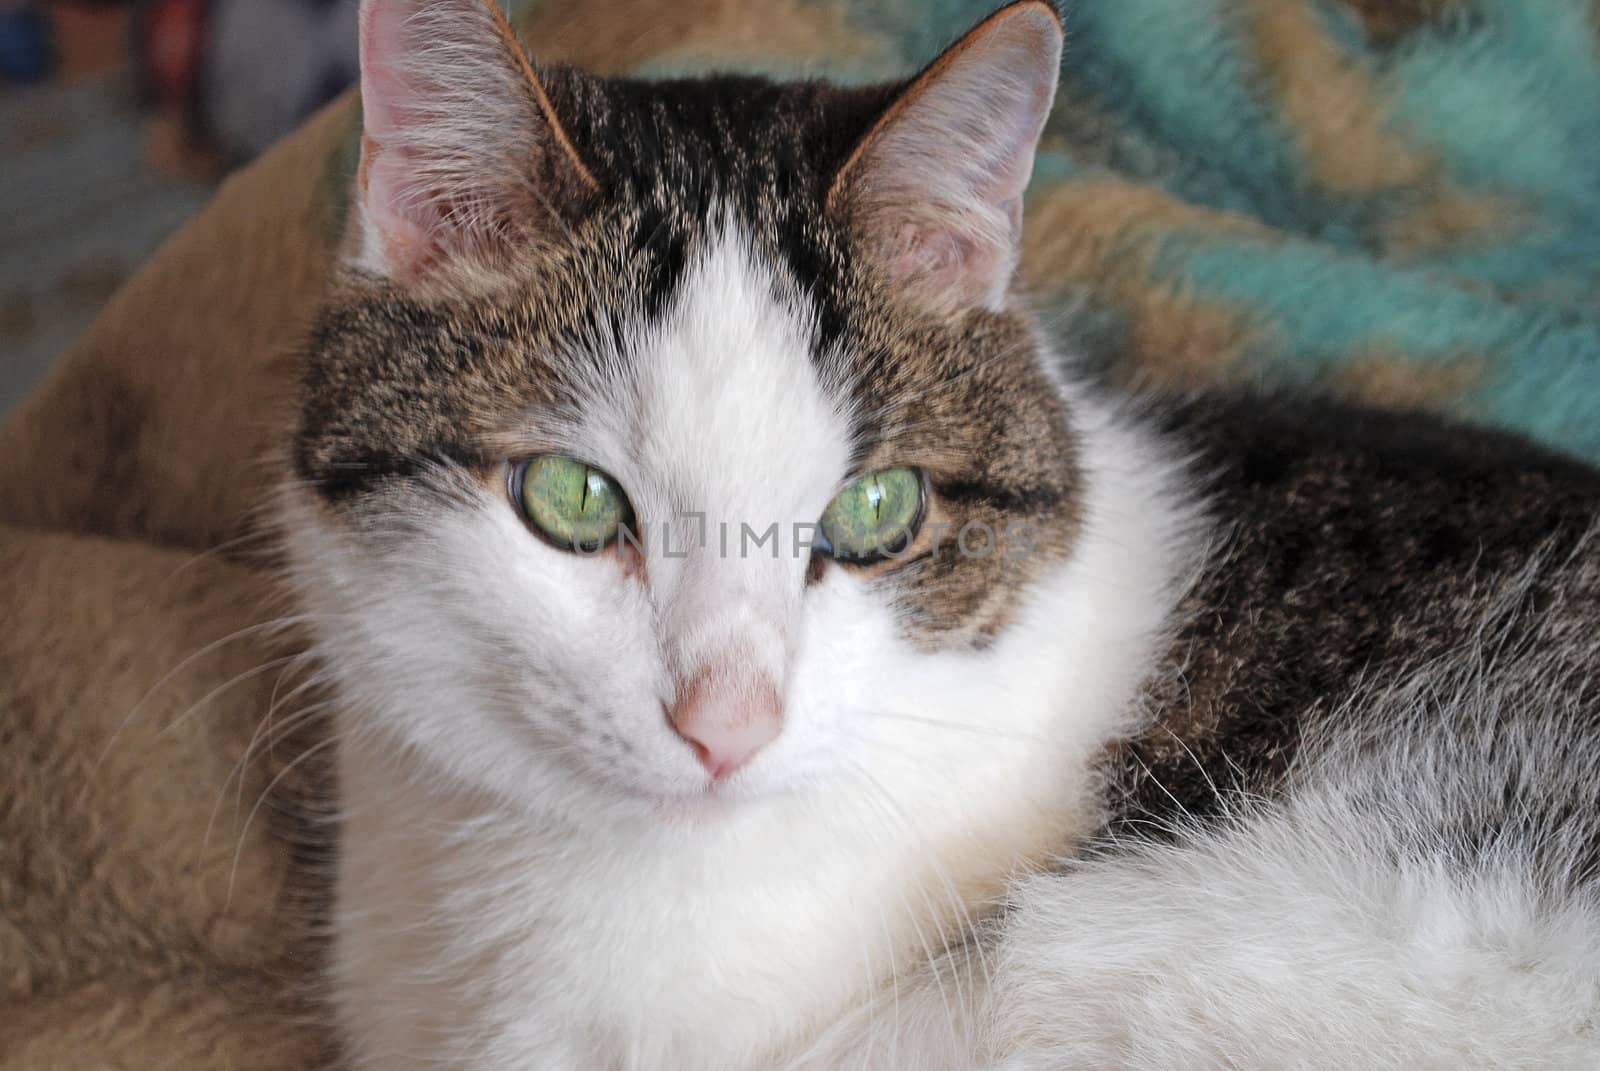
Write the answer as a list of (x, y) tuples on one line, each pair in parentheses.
[(1352, 545), (1389, 490)]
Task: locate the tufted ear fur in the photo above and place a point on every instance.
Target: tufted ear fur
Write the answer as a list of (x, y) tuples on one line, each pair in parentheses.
[(934, 190), (461, 151)]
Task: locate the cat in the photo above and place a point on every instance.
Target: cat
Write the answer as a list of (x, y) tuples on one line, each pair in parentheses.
[(756, 648)]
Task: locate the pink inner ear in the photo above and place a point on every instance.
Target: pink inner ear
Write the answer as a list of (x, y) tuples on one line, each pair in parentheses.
[(409, 234), (402, 227), (938, 188), (947, 261), (449, 132), (382, 44)]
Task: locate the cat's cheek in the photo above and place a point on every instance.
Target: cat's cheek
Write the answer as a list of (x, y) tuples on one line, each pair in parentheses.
[(842, 671)]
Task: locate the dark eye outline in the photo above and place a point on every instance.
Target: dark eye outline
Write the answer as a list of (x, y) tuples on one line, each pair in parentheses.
[(514, 486), (825, 546)]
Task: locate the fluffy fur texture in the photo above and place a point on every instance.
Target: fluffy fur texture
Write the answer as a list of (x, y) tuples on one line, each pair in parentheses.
[(1420, 893), (144, 897), (723, 304)]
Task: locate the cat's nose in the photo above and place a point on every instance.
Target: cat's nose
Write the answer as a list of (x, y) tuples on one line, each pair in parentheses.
[(727, 712)]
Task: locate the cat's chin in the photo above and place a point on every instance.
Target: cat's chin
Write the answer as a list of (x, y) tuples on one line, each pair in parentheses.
[(702, 808)]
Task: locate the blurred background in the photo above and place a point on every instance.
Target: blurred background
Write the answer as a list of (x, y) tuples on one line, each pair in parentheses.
[(117, 118)]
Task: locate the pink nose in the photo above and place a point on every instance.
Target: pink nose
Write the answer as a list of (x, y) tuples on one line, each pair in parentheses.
[(727, 713)]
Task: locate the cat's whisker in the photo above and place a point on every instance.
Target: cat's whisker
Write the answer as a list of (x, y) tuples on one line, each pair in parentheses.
[(997, 732), (270, 732), (969, 933), (224, 550), (240, 769), (245, 633), (930, 954), (211, 696), (244, 831)]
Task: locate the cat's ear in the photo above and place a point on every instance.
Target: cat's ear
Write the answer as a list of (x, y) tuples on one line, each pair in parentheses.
[(461, 151), (934, 190)]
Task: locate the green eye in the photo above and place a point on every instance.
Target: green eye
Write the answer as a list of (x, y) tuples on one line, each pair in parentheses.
[(875, 517), (574, 506)]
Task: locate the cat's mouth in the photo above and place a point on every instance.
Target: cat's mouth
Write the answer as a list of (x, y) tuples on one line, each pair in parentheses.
[(704, 799)]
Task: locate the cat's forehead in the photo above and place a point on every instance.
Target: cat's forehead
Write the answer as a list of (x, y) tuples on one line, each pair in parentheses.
[(770, 150), (589, 329), (725, 405)]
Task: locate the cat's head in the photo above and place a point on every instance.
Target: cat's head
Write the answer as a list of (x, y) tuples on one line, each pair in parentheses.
[(604, 356)]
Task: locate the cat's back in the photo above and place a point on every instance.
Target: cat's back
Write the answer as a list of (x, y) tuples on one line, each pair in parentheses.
[(1359, 828), (1354, 548)]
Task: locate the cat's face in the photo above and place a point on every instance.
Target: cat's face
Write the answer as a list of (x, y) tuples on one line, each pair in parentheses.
[(677, 442)]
